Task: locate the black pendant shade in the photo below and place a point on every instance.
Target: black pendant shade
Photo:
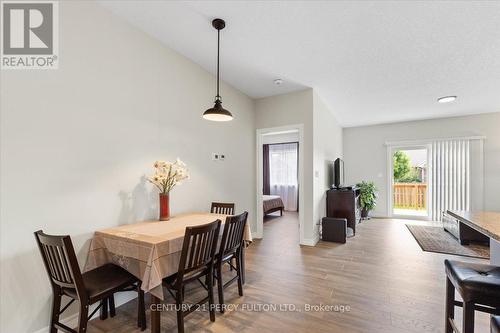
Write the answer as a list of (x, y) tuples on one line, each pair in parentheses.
[(217, 112)]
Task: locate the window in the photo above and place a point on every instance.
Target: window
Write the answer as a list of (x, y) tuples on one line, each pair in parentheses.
[(283, 159)]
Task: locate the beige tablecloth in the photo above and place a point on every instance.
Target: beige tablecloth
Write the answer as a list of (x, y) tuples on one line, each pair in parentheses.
[(149, 250)]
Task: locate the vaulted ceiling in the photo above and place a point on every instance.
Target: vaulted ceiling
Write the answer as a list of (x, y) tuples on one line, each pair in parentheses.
[(371, 62)]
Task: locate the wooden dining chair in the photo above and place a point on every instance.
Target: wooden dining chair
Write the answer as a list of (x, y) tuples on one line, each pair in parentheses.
[(222, 208), (196, 263), (97, 285), (231, 247)]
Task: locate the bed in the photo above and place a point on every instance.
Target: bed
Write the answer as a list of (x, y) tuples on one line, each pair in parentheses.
[(272, 203)]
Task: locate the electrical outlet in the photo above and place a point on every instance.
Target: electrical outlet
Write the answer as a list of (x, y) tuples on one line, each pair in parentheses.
[(218, 157)]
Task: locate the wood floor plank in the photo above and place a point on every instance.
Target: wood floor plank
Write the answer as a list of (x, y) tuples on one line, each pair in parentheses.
[(388, 283)]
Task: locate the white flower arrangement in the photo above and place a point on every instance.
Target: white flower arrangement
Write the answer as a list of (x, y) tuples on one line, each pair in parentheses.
[(168, 174)]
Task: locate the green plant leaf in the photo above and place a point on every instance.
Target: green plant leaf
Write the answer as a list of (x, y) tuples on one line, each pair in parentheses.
[(368, 196)]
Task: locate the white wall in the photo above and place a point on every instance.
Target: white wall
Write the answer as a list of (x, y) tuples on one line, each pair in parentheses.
[(327, 143), (291, 109), (280, 138), (322, 144), (365, 153), (76, 142)]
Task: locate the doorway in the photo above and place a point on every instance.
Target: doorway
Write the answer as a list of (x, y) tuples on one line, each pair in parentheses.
[(284, 166), (409, 182)]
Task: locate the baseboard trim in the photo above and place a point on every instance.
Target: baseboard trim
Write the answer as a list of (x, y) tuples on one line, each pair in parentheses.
[(256, 235), (310, 241), (378, 215), (72, 320)]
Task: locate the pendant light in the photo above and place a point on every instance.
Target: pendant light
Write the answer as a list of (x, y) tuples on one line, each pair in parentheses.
[(218, 113)]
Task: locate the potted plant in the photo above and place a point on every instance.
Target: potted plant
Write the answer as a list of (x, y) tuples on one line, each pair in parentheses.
[(166, 176), (368, 197)]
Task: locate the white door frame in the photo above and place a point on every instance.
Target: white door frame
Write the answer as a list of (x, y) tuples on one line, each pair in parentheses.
[(260, 176), (391, 148)]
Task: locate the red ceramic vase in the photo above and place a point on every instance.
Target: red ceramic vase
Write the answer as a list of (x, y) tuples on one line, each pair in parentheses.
[(164, 207)]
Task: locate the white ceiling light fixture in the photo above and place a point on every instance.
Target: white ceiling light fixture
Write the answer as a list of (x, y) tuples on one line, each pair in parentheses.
[(446, 99)]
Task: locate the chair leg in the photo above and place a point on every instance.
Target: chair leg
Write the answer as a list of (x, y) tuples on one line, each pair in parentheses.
[(83, 318), (179, 310), (242, 262), (56, 307), (450, 307), (468, 320), (112, 309), (211, 294), (103, 311), (141, 309), (239, 272), (220, 288)]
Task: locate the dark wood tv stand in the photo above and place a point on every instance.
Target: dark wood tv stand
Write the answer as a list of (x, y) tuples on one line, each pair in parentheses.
[(344, 203)]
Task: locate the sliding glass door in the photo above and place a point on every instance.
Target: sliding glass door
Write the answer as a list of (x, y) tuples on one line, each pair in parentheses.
[(410, 175), (428, 178)]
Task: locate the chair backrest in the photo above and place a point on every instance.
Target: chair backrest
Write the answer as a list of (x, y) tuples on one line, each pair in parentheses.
[(198, 248), (222, 208), (60, 261), (232, 236)]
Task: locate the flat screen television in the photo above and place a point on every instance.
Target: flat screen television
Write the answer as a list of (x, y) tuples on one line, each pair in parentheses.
[(338, 173)]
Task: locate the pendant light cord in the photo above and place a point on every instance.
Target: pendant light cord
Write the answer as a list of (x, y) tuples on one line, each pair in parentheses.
[(218, 55)]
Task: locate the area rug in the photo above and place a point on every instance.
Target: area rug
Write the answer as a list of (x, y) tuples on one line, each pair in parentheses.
[(435, 239)]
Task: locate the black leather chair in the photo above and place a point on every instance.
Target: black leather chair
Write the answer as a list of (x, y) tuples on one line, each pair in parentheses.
[(495, 324), (479, 287), (97, 285)]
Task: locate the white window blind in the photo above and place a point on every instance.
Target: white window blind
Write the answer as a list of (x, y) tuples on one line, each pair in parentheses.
[(450, 176)]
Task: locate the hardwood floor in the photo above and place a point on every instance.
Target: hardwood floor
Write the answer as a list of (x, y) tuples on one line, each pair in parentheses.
[(381, 277)]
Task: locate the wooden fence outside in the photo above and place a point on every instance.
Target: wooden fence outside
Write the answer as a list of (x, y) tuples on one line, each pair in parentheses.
[(410, 195)]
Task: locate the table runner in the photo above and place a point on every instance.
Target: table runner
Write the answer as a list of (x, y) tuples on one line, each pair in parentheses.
[(149, 250)]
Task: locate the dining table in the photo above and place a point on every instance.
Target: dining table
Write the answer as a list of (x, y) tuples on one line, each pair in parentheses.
[(150, 250)]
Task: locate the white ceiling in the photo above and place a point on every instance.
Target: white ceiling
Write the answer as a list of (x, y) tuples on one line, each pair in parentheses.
[(371, 62)]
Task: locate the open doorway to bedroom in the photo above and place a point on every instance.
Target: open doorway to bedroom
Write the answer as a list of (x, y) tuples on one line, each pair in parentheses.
[(278, 188)]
